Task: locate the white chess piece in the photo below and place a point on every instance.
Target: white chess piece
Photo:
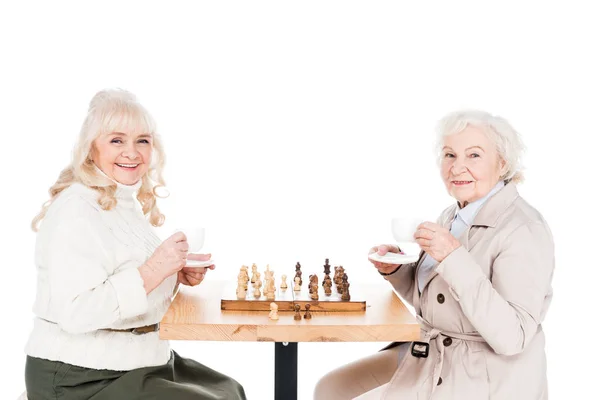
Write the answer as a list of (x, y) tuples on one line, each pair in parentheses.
[(297, 284), (273, 314), (283, 282), (241, 290)]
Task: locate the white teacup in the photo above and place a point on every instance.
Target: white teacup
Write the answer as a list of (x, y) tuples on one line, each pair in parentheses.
[(195, 239), (403, 230)]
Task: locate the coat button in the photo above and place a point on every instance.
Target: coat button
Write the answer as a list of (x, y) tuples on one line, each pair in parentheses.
[(439, 381), (447, 341), (441, 298)]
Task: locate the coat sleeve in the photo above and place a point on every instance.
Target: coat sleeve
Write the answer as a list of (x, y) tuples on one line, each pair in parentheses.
[(86, 296), (508, 309), (403, 281)]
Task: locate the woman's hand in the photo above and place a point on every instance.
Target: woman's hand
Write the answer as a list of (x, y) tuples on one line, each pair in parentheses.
[(192, 276), (170, 256), (382, 250), (436, 240)]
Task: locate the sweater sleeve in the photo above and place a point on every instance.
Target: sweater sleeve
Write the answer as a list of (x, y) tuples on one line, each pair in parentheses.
[(82, 286), (506, 310)]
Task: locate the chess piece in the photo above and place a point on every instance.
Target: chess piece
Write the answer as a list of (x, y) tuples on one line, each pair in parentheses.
[(327, 271), (297, 284), (299, 275), (327, 287), (297, 316), (299, 272), (256, 290), (270, 288), (258, 282), (273, 313), (243, 275), (345, 288), (241, 291), (312, 280), (307, 314), (340, 272), (326, 267), (254, 271), (283, 282), (314, 294)]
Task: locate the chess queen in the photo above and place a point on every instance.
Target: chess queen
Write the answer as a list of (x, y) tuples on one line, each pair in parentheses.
[(481, 286), (105, 279)]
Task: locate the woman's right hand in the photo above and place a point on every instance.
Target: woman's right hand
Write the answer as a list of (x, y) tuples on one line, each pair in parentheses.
[(168, 258), (382, 250)]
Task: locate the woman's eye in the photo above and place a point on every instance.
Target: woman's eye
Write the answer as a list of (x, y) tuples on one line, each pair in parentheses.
[(474, 155), (448, 155), (116, 141), (144, 141)]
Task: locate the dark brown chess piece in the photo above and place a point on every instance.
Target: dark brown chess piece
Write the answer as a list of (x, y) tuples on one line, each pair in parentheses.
[(327, 271), (297, 316), (345, 288), (311, 279), (327, 287), (314, 294), (307, 314)]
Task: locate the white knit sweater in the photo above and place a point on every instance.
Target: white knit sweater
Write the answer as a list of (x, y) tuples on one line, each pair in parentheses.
[(87, 261)]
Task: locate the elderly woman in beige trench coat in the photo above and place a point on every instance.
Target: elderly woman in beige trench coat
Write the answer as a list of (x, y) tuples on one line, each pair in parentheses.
[(481, 287)]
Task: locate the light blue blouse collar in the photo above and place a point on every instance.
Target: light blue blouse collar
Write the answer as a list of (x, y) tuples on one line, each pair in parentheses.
[(468, 213)]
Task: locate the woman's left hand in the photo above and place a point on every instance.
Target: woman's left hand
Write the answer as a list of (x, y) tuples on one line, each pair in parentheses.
[(436, 240), (192, 276)]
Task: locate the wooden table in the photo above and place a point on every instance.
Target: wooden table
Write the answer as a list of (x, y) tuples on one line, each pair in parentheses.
[(196, 314)]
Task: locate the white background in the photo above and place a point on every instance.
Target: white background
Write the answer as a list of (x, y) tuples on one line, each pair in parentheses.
[(295, 130)]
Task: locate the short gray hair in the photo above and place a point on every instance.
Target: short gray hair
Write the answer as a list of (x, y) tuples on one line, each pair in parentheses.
[(508, 142)]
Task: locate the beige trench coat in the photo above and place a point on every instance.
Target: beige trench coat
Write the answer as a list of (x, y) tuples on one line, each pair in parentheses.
[(482, 307)]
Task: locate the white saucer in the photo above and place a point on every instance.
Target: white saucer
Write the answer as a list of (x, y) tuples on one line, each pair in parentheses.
[(394, 258), (192, 263)]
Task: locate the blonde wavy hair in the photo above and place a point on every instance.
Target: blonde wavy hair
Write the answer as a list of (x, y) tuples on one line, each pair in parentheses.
[(112, 110)]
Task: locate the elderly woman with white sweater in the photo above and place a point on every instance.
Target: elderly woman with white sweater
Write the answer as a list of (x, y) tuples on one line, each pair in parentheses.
[(105, 279)]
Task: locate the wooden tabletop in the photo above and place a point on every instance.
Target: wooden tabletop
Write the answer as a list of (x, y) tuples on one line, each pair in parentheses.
[(196, 314)]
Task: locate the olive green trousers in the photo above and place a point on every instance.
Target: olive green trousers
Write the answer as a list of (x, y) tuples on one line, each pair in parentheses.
[(178, 379)]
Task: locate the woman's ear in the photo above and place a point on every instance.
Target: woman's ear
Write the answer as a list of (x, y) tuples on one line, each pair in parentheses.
[(503, 167)]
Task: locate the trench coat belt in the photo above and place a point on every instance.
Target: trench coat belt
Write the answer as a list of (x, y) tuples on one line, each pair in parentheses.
[(431, 333)]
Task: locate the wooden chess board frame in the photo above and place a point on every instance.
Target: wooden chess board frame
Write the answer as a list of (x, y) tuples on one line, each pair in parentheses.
[(286, 298)]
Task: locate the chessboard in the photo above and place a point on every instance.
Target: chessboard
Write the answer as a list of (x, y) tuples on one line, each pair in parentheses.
[(248, 296)]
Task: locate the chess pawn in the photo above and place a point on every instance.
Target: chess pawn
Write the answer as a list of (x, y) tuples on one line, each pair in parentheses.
[(345, 288), (256, 290), (345, 292), (273, 314), (283, 282), (297, 316), (297, 284), (307, 314)]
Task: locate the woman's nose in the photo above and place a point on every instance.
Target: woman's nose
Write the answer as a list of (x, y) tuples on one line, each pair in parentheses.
[(130, 152), (458, 166)]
